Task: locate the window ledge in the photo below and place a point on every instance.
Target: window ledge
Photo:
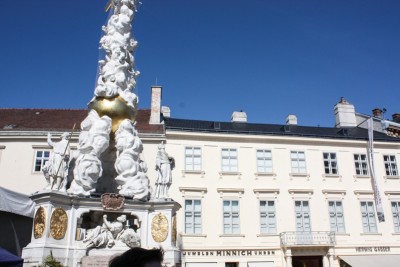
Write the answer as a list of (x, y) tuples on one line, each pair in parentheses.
[(265, 174), (304, 175), (193, 235), (364, 234), (331, 175), (396, 233), (201, 173), (361, 176), (222, 174), (299, 174), (391, 177), (231, 235), (267, 234)]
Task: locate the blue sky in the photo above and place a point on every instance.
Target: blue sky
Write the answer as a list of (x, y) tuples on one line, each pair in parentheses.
[(268, 58)]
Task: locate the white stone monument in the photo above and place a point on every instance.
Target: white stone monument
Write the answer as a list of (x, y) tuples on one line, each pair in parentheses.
[(75, 224)]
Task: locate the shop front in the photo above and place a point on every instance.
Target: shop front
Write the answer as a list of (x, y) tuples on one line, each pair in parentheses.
[(232, 258)]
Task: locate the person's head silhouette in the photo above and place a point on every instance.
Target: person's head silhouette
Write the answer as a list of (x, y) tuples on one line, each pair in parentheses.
[(139, 257)]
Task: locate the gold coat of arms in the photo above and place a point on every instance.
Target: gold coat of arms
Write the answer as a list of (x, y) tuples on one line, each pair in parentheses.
[(58, 223), (159, 228)]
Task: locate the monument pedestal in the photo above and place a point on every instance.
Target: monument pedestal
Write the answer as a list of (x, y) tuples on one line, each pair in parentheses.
[(61, 224)]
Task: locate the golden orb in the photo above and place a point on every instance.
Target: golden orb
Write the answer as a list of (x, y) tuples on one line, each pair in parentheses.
[(116, 108)]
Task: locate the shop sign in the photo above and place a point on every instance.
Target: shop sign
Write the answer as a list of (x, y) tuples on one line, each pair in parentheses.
[(228, 253), (372, 249)]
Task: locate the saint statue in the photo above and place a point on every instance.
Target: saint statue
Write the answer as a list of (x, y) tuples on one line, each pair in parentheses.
[(164, 167), (57, 165)]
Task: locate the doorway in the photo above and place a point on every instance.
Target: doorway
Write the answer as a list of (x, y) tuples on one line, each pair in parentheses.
[(307, 261)]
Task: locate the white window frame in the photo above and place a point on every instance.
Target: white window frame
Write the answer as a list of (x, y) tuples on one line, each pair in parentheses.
[(42, 159), (333, 216), (370, 217), (390, 165), (264, 159), (363, 171), (230, 158), (330, 162), (298, 160), (192, 156), (193, 216), (270, 217), (303, 213), (395, 205), (230, 213)]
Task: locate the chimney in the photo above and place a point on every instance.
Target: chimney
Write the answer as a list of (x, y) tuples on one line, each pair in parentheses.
[(155, 116), (166, 111), (345, 114), (396, 117), (291, 120), (377, 112), (239, 116)]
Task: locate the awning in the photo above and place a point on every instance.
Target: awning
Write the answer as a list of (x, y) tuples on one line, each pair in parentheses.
[(372, 260), (16, 203), (10, 260)]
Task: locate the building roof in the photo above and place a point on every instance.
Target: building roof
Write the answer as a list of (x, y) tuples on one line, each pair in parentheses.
[(39, 119), (356, 133)]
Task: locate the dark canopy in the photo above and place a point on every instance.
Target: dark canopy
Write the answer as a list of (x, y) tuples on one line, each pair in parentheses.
[(9, 260)]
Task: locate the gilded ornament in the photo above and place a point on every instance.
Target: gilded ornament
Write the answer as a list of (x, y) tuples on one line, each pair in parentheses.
[(115, 107), (58, 223), (159, 228), (174, 231), (39, 223)]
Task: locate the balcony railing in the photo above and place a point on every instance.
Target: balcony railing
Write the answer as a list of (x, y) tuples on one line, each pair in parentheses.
[(307, 239)]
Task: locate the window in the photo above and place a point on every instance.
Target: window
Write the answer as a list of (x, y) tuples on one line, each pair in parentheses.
[(267, 217), (396, 216), (298, 162), (368, 217), (229, 160), (193, 216), (231, 217), (390, 165), (303, 222), (264, 161), (336, 217), (330, 163), (231, 264), (361, 163), (193, 158), (41, 157)]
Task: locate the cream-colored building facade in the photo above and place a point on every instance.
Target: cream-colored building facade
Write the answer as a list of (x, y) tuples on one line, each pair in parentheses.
[(257, 194)]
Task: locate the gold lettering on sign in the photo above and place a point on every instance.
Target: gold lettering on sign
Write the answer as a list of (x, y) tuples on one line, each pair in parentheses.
[(58, 223), (159, 228), (39, 223)]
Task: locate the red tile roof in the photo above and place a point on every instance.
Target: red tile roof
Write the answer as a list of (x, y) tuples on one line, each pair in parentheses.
[(38, 119)]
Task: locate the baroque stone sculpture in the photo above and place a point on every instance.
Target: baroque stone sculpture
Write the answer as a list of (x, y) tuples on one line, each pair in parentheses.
[(110, 125), (93, 140), (131, 170), (109, 233), (117, 77), (164, 167), (57, 165)]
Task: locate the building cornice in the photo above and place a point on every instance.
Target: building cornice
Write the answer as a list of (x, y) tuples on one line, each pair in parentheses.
[(281, 139)]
